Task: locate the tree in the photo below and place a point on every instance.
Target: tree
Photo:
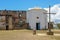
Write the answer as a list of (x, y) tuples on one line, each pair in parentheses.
[(58, 25)]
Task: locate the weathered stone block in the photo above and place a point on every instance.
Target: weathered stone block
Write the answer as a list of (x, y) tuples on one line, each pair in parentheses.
[(50, 33)]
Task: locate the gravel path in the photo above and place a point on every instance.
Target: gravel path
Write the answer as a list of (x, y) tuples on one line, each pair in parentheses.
[(26, 35)]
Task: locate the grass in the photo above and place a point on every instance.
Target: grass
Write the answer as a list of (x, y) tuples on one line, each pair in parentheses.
[(26, 35)]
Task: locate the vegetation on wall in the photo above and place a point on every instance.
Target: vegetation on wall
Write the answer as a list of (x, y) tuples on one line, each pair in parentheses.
[(58, 25)]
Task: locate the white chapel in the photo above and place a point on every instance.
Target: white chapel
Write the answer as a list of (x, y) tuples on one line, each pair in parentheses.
[(37, 18)]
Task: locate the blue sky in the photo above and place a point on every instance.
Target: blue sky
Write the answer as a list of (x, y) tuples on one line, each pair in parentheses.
[(25, 4)]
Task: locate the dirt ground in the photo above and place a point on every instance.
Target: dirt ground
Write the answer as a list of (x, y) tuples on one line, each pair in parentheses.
[(27, 35)]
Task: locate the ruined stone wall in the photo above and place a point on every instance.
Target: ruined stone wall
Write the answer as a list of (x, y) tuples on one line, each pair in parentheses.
[(14, 18)]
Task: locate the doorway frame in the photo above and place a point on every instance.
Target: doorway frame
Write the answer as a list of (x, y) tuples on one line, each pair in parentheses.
[(37, 26)]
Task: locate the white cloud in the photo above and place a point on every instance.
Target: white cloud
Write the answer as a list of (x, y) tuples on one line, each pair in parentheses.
[(54, 9)]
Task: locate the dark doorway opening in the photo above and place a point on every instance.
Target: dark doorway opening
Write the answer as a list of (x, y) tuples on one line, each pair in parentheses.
[(7, 27), (37, 26)]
